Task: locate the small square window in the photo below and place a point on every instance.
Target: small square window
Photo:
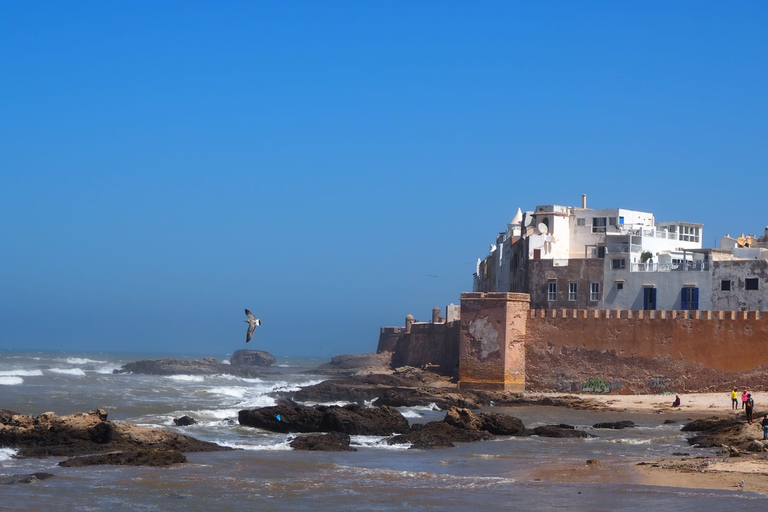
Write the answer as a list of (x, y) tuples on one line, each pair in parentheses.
[(552, 291), (619, 286), (751, 283), (618, 263), (594, 292), (581, 222), (725, 285)]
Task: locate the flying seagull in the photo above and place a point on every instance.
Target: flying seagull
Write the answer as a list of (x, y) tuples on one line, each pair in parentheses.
[(252, 323)]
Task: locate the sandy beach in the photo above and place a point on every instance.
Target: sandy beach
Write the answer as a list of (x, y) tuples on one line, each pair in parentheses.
[(745, 472)]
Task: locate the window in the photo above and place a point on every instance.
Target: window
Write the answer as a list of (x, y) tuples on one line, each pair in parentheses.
[(649, 298), (619, 286), (751, 283), (612, 221), (725, 285), (572, 290), (618, 263), (552, 291), (594, 292), (689, 299), (598, 224), (689, 234), (621, 221), (581, 222)]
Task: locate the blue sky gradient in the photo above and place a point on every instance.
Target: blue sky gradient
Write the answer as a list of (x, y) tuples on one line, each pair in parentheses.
[(164, 165)]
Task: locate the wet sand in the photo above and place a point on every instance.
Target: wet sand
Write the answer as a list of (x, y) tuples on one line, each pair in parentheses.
[(748, 472)]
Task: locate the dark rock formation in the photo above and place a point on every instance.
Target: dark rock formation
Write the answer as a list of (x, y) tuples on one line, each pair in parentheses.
[(184, 421), (205, 366), (491, 422), (437, 434), (289, 416), (330, 442), (351, 364), (88, 433), (616, 425), (246, 357), (716, 432), (555, 431), (244, 364), (284, 417), (24, 479), (394, 390), (137, 457)]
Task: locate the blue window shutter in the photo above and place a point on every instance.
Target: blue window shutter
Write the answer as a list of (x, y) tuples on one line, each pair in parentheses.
[(684, 300), (695, 304)]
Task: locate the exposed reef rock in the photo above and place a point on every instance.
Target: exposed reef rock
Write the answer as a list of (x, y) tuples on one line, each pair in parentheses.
[(24, 479), (351, 419), (245, 357), (184, 421), (86, 434), (139, 457), (615, 425), (714, 432), (244, 363), (437, 434), (330, 442)]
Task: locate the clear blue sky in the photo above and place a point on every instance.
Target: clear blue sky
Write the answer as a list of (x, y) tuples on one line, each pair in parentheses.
[(164, 165)]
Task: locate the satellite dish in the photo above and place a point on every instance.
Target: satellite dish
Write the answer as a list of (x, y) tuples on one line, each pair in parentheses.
[(528, 219), (542, 228)]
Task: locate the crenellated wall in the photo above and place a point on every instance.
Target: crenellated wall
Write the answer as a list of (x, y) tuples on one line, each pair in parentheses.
[(646, 351), (605, 351)]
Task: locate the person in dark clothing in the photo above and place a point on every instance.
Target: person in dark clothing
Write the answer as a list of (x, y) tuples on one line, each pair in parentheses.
[(750, 406), (764, 423), (676, 403)]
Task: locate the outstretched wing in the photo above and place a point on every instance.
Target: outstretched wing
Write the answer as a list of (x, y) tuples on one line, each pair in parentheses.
[(249, 334), (249, 315)]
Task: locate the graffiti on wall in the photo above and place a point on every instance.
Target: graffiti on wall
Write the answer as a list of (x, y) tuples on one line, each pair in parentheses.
[(657, 383), (600, 385)]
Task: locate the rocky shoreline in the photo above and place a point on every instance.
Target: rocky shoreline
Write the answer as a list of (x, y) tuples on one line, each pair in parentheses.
[(373, 390)]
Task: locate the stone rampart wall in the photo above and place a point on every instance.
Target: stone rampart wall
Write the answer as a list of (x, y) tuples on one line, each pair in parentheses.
[(646, 351)]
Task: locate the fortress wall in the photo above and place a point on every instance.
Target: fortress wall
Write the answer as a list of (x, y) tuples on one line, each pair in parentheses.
[(426, 344), (646, 351)]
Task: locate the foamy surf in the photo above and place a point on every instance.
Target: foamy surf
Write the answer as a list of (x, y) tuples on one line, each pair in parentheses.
[(77, 372), (21, 373), (11, 381)]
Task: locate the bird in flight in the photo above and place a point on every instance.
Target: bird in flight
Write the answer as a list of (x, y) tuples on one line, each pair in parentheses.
[(252, 323)]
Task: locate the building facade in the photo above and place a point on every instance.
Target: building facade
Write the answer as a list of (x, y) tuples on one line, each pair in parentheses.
[(580, 258)]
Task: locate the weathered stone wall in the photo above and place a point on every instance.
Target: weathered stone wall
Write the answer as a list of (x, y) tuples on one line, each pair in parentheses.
[(646, 351), (595, 351), (492, 341), (436, 345)]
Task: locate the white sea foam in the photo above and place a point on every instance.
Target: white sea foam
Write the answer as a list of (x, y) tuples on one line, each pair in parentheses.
[(11, 381), (376, 442), (185, 378), (415, 411), (21, 373), (68, 371), (7, 453), (106, 369), (281, 446), (81, 360), (233, 391)]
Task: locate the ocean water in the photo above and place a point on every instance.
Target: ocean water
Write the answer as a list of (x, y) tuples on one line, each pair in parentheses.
[(265, 474)]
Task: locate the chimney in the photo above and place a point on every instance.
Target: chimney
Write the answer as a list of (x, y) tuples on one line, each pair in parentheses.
[(584, 201)]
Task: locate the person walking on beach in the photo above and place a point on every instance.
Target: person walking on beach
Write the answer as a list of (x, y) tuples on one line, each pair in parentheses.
[(764, 423), (750, 405), (734, 399), (744, 397)]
